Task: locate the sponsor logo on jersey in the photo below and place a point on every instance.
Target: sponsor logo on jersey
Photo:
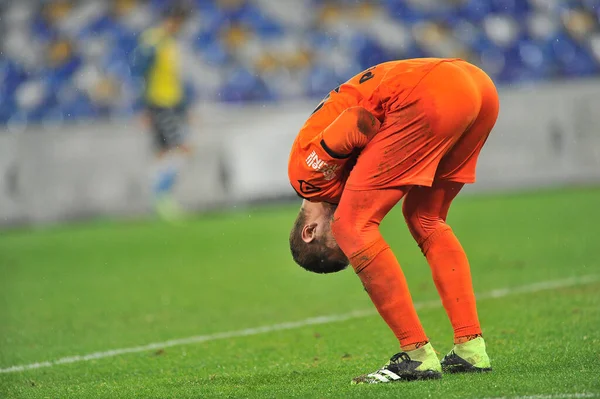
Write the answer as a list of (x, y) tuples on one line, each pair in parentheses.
[(308, 188), (313, 161)]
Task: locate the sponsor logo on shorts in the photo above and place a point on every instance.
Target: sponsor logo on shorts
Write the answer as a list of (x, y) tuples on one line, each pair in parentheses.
[(313, 161)]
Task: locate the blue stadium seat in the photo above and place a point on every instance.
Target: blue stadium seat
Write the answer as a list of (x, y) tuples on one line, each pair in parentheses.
[(514, 7), (402, 11), (215, 53), (515, 41), (475, 10), (320, 81), (255, 19), (572, 59), (244, 86)]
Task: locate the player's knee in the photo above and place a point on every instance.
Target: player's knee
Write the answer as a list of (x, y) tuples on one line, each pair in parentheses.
[(353, 236), (411, 217), (345, 232), (420, 224)]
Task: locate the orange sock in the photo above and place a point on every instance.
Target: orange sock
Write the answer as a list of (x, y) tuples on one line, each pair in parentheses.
[(452, 277), (466, 338), (356, 229), (385, 283)]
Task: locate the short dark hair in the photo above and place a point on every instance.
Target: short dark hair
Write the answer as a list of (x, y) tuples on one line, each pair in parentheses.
[(315, 256)]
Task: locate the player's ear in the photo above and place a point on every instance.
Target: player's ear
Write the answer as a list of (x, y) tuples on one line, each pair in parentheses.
[(309, 232)]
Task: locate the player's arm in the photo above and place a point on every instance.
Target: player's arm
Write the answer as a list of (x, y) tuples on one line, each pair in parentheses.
[(352, 129), (143, 56), (318, 169)]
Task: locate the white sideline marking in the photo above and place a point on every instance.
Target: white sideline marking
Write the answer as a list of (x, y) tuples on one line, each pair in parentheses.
[(552, 396), (498, 293)]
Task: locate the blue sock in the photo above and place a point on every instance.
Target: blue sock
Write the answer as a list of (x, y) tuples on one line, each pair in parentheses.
[(165, 181)]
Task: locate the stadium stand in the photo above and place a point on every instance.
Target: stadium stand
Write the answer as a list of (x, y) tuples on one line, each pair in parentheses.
[(71, 60)]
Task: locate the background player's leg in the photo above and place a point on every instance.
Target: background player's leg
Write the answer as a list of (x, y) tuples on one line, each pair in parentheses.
[(425, 210), (168, 125), (356, 230), (164, 176)]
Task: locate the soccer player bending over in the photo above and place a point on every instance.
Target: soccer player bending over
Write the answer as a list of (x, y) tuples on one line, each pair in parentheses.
[(409, 130)]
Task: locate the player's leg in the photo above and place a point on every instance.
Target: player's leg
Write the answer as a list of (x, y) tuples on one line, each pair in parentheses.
[(425, 211), (166, 170), (356, 230), (167, 127), (405, 152)]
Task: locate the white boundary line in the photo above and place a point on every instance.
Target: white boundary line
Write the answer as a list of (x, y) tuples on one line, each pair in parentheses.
[(579, 395), (498, 293)]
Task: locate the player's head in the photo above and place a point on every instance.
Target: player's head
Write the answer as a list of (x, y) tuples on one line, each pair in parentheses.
[(311, 240), (174, 16)]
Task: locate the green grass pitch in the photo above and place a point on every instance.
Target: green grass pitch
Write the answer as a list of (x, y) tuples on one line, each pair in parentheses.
[(107, 285)]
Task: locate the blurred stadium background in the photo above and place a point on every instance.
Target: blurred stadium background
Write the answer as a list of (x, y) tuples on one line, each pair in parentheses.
[(73, 147), (69, 138)]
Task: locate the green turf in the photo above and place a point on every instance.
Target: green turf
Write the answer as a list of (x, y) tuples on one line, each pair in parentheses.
[(93, 287)]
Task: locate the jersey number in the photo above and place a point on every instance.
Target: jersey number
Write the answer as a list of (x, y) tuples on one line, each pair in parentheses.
[(368, 75), (337, 90)]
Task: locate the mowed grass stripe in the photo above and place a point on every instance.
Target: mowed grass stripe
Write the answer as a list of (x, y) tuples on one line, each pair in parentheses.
[(497, 293)]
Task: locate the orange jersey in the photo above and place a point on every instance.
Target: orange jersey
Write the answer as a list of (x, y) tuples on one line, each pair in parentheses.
[(328, 144), (411, 122)]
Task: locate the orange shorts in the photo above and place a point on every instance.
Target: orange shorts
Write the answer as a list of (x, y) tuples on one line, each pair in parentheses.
[(436, 132)]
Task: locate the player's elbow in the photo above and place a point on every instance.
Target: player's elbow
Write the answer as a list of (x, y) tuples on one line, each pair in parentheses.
[(365, 121)]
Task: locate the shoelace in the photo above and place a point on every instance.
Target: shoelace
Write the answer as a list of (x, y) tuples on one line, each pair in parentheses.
[(400, 357)]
